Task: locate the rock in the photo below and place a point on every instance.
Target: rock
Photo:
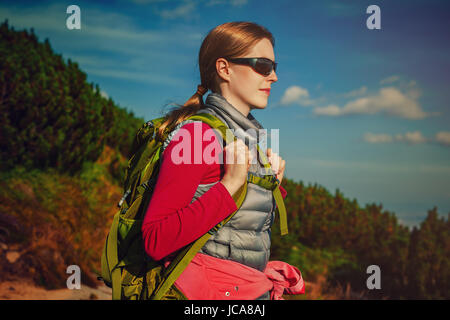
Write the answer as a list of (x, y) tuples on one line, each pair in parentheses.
[(12, 256)]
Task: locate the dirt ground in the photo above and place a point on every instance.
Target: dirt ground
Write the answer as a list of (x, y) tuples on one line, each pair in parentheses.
[(26, 290)]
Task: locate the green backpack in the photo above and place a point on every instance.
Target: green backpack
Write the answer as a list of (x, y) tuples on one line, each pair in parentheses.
[(126, 268)]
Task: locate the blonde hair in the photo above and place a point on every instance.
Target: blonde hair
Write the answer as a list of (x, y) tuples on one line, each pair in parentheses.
[(228, 40)]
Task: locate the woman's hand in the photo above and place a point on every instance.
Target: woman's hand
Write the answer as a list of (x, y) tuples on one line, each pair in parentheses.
[(277, 163)]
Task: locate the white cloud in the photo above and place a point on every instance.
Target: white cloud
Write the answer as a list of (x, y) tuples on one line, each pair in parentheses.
[(234, 3), (415, 137), (184, 10), (388, 101), (376, 167), (113, 31), (136, 76), (296, 95), (331, 110), (355, 93), (443, 137), (411, 137), (377, 138), (390, 79), (110, 44)]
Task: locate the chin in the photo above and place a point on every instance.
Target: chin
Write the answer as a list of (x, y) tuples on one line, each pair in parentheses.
[(258, 107), (260, 104)]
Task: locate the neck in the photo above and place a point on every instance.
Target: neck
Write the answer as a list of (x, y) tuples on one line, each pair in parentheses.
[(237, 103)]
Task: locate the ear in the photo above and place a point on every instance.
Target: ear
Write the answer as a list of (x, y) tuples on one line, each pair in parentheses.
[(223, 69)]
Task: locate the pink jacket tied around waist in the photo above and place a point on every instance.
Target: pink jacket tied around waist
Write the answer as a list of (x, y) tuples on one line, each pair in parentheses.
[(210, 278)]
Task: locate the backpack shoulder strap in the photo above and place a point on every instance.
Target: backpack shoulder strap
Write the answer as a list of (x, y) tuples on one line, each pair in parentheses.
[(276, 194), (215, 123)]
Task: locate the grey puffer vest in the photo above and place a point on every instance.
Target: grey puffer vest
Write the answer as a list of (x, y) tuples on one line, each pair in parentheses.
[(246, 237)]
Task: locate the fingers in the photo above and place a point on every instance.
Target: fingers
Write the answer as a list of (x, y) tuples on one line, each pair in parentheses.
[(237, 153), (277, 163), (283, 165), (242, 152)]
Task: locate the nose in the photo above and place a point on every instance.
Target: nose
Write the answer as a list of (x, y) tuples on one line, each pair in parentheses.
[(272, 76)]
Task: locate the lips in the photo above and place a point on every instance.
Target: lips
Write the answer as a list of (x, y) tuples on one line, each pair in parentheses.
[(266, 91)]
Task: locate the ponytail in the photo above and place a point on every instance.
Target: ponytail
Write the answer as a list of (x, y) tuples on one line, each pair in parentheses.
[(190, 107)]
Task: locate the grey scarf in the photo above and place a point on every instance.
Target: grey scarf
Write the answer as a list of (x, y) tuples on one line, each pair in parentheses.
[(234, 118)]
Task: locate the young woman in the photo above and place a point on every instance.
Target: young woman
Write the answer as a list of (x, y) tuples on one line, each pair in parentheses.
[(237, 63)]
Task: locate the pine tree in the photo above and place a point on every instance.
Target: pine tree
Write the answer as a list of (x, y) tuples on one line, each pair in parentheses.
[(50, 116)]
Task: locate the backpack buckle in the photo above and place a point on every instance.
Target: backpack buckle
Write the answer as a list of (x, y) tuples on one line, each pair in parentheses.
[(216, 228), (126, 194)]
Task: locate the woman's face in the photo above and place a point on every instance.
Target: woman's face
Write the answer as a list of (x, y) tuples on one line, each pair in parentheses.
[(244, 90)]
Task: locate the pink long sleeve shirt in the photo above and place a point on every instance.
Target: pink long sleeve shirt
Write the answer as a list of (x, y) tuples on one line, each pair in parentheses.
[(171, 220)]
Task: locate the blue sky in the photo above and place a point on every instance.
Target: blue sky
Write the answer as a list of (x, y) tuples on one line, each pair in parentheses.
[(365, 111)]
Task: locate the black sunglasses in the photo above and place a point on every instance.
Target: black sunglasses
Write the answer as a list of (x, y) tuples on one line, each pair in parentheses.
[(263, 66)]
